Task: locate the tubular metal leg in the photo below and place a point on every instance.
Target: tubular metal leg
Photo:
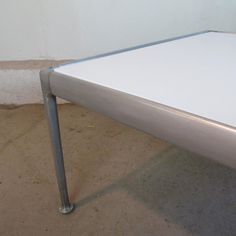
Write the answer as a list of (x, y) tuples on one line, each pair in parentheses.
[(51, 111)]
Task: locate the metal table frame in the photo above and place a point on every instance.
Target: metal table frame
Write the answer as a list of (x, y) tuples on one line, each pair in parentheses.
[(182, 123)]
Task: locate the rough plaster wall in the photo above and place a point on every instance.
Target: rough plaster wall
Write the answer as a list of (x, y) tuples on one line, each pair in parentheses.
[(19, 87), (25, 89)]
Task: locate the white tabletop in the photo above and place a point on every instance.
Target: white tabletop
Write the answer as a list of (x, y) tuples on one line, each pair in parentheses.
[(195, 74)]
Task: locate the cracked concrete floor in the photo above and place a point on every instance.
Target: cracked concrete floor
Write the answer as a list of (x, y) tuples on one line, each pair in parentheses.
[(124, 182)]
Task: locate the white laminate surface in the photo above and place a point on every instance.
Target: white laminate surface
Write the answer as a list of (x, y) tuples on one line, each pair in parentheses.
[(195, 74)]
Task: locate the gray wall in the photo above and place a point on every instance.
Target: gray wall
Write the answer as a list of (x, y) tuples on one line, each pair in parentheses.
[(59, 29)]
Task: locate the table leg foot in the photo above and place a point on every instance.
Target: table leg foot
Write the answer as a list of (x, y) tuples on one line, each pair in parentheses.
[(67, 209)]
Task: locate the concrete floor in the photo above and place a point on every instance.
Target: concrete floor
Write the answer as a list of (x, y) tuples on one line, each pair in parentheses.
[(123, 182)]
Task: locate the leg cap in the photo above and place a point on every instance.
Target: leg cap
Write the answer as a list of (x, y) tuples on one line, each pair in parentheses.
[(67, 209)]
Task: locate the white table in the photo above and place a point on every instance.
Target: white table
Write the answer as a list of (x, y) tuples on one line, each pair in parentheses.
[(181, 90)]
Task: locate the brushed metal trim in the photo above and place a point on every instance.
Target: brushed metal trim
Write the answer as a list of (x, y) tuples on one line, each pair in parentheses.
[(136, 47), (198, 134)]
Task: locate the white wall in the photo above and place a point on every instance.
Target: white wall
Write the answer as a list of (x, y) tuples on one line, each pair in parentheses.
[(224, 15), (61, 29)]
